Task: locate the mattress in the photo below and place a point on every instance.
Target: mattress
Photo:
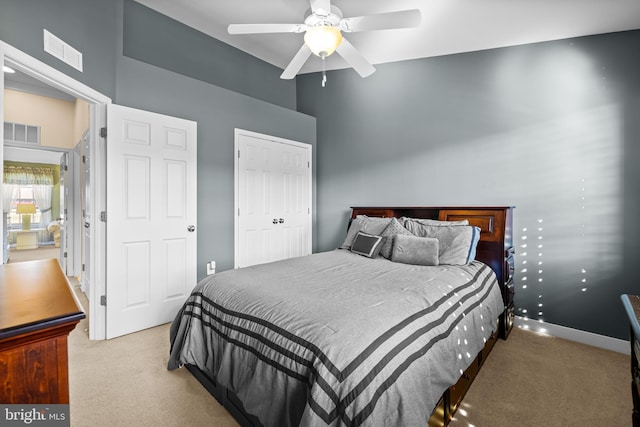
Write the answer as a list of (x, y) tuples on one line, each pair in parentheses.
[(335, 338)]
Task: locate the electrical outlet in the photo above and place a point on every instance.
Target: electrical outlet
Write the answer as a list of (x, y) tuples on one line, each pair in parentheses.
[(211, 268)]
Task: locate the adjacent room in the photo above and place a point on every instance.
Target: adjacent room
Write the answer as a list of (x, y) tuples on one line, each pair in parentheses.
[(430, 220)]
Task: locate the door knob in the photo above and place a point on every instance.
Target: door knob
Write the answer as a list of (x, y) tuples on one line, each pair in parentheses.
[(281, 220), (275, 220), (191, 228)]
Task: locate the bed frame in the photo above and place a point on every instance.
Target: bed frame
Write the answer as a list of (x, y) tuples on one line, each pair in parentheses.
[(495, 249)]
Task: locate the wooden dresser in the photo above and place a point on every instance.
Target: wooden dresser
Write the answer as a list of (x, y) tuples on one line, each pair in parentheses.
[(632, 307), (38, 310)]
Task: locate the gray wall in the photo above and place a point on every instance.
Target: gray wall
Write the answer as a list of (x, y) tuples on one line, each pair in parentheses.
[(218, 112), (156, 39), (89, 26), (195, 85), (550, 128), (172, 69)]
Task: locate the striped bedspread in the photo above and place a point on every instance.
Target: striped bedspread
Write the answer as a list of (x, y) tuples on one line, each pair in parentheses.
[(337, 339)]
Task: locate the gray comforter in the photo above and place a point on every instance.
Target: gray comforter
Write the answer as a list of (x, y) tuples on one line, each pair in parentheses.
[(335, 338)]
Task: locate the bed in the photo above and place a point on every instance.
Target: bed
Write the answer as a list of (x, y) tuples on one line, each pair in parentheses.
[(350, 337)]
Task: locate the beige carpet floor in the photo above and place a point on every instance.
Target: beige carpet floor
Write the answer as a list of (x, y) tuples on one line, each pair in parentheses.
[(529, 380), (536, 380), (125, 382), (44, 252)]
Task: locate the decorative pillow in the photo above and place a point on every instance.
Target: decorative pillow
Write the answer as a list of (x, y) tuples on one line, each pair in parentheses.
[(369, 225), (410, 249), (457, 242), (389, 233), (367, 244)]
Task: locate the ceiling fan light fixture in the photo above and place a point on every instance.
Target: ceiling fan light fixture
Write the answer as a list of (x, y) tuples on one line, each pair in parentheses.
[(323, 40)]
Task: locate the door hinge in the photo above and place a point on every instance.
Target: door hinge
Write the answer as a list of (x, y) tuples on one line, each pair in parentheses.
[(103, 300), (103, 132), (308, 165), (103, 216), (238, 153), (82, 267), (64, 255), (84, 159)]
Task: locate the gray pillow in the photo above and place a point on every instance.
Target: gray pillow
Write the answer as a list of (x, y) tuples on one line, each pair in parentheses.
[(409, 249), (367, 244), (369, 225), (389, 233), (457, 242)]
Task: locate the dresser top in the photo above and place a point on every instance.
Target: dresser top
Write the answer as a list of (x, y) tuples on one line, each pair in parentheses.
[(35, 295)]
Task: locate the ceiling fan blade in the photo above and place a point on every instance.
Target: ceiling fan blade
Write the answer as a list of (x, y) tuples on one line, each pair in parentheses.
[(382, 21), (265, 28), (296, 63), (355, 58), (321, 7)]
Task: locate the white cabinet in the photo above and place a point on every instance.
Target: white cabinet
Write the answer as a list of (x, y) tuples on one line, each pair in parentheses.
[(26, 239)]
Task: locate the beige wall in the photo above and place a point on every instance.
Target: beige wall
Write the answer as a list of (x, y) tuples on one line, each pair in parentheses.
[(61, 122), (81, 119)]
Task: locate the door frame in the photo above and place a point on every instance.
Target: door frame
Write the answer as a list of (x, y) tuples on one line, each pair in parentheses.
[(236, 183), (25, 63)]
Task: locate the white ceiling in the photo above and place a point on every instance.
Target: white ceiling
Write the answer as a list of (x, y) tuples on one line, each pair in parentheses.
[(448, 26)]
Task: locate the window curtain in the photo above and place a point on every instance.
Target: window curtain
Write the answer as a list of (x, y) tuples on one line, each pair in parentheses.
[(42, 194), (26, 175), (9, 194), (42, 181)]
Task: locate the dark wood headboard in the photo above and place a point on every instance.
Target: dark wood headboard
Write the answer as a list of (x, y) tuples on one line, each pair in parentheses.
[(495, 247)]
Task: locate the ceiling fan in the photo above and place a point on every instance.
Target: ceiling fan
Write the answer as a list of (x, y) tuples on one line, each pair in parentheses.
[(323, 28)]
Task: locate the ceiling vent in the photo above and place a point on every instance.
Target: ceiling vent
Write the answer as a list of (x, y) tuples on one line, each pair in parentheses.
[(63, 51), (16, 133)]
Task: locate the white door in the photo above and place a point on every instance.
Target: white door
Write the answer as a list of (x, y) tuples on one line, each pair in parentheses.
[(151, 218), (273, 198)]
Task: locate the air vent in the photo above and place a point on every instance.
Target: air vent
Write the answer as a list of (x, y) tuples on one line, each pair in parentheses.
[(21, 134), (63, 51)]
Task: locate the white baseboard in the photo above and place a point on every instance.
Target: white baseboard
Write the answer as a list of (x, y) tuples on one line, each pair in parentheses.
[(583, 337)]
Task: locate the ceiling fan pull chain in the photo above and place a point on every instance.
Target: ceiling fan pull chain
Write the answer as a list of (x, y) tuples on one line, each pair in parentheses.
[(324, 71)]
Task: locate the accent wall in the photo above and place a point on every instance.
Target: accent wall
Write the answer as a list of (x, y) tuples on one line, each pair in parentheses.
[(550, 128)]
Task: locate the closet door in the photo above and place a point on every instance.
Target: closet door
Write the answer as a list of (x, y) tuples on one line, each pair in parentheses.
[(273, 199)]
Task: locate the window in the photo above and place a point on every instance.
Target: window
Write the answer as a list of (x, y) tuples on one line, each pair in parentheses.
[(25, 196)]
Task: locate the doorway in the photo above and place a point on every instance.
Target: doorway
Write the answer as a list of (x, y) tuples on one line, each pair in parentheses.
[(38, 178), (96, 102), (179, 177)]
